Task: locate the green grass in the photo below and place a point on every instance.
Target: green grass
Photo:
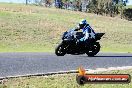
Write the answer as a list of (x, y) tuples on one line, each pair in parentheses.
[(38, 29), (129, 6), (60, 81)]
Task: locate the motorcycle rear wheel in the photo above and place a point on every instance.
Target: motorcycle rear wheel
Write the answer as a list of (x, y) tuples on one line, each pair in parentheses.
[(95, 49)]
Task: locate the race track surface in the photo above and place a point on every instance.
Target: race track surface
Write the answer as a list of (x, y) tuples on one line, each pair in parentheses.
[(12, 64)]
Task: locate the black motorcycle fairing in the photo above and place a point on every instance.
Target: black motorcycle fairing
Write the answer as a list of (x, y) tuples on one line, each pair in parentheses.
[(98, 36), (71, 46), (74, 47)]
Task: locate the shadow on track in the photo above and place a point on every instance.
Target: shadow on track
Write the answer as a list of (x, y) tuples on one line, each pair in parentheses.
[(108, 56)]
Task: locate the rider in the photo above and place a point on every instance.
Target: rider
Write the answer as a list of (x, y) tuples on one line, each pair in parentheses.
[(87, 31)]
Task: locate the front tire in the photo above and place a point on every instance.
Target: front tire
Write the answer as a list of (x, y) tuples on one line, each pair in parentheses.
[(93, 50), (60, 50)]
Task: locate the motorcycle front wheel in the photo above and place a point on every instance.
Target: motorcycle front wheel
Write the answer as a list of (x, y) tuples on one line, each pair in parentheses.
[(60, 50)]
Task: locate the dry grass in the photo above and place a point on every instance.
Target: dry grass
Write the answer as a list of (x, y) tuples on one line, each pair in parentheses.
[(32, 28), (60, 81)]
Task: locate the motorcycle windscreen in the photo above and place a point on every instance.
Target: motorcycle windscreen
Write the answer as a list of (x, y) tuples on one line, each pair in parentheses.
[(68, 35)]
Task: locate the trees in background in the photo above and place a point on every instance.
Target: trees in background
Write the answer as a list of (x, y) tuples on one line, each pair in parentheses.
[(26, 2), (127, 14), (46, 3), (99, 7), (107, 7), (102, 7)]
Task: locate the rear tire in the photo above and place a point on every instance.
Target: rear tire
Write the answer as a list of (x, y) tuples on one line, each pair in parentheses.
[(60, 50), (95, 49)]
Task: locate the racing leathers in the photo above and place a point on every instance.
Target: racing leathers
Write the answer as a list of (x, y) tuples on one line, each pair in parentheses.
[(88, 33)]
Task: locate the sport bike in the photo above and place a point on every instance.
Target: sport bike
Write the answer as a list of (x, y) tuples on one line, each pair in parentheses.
[(70, 44)]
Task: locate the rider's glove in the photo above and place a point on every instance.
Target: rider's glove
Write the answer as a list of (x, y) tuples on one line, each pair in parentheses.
[(82, 39)]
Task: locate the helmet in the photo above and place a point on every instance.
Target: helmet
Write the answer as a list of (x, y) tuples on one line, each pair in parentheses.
[(82, 23)]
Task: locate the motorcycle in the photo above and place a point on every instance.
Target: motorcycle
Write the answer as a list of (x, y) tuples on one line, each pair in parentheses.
[(70, 44)]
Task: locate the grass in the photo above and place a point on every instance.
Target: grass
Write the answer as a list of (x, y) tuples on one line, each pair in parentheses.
[(129, 6), (60, 81), (38, 29)]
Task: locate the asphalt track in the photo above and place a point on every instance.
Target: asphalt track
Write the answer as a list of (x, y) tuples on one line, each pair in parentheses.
[(12, 64)]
